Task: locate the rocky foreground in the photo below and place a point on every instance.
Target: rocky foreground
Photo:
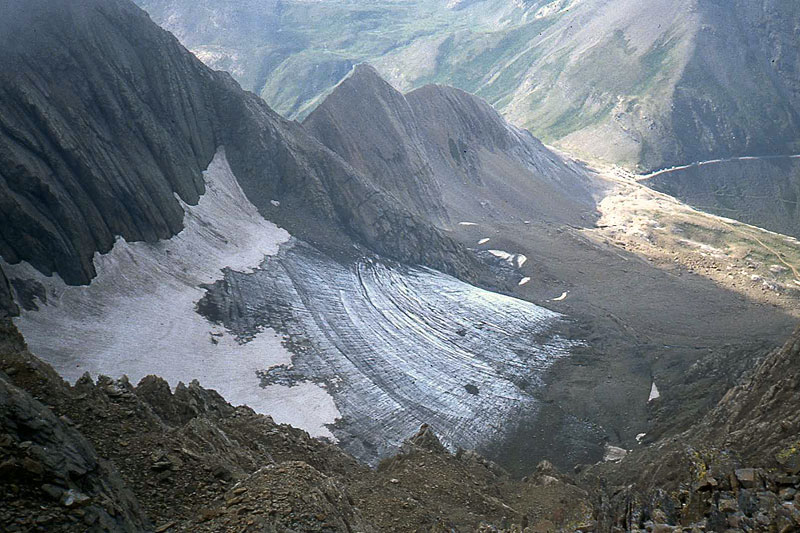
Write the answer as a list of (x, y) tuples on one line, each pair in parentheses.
[(109, 456)]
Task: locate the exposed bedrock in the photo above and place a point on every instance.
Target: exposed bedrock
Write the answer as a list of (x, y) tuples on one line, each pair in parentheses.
[(445, 153), (396, 346), (102, 125), (7, 306), (46, 457), (106, 122)]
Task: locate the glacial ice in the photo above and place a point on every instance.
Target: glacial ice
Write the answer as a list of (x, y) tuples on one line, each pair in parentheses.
[(138, 316), (364, 352), (398, 346)]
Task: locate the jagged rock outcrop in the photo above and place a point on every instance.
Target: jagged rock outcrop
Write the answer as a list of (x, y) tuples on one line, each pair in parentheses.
[(196, 463), (735, 470), (50, 474), (107, 119), (759, 418), (7, 306)]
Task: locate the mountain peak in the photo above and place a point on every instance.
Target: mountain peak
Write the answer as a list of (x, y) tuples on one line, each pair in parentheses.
[(363, 78), (365, 71)]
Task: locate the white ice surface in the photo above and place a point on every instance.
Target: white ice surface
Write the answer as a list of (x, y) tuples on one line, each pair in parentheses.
[(654, 394), (484, 241), (138, 317), (524, 280), (561, 298), (467, 224)]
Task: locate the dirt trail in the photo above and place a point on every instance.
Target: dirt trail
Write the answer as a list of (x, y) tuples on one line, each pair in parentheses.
[(661, 172)]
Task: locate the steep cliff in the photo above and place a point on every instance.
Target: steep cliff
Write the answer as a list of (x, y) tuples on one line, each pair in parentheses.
[(107, 123), (104, 120), (7, 306)]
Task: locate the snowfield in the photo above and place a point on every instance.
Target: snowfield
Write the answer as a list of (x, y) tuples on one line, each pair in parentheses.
[(398, 346), (378, 348), (138, 316)]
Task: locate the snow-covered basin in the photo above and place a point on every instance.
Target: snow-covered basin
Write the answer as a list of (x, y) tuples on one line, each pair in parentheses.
[(138, 316), (398, 346)]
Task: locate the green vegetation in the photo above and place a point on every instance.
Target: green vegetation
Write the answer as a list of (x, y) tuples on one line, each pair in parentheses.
[(698, 84)]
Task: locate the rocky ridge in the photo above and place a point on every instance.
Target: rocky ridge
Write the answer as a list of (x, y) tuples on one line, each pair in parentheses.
[(440, 150), (68, 191), (735, 470), (107, 456), (196, 463), (641, 83)]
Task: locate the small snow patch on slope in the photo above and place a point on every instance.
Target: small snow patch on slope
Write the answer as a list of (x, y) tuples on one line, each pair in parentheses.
[(515, 260), (654, 394), (561, 298), (138, 315)]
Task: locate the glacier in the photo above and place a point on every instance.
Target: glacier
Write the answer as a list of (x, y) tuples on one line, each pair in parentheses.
[(361, 350)]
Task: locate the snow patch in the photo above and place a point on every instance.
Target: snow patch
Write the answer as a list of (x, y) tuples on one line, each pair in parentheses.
[(305, 405), (467, 224), (640, 436), (561, 298), (484, 241), (138, 316), (654, 394), (523, 281), (515, 260)]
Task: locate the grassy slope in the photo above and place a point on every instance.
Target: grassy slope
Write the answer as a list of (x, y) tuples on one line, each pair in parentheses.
[(637, 82)]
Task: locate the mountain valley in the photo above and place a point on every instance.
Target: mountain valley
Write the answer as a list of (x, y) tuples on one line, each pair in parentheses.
[(397, 310)]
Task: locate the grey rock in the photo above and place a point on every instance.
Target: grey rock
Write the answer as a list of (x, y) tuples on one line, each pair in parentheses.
[(64, 458), (115, 119), (439, 151), (7, 306)]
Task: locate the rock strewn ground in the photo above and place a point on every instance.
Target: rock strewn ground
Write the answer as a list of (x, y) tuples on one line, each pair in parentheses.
[(195, 463)]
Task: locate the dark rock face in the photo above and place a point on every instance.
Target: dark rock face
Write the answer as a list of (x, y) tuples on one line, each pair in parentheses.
[(7, 306), (106, 119), (103, 121), (737, 468), (759, 417), (738, 93), (47, 461)]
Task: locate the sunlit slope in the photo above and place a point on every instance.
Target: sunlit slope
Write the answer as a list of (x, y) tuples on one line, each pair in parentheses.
[(645, 83)]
